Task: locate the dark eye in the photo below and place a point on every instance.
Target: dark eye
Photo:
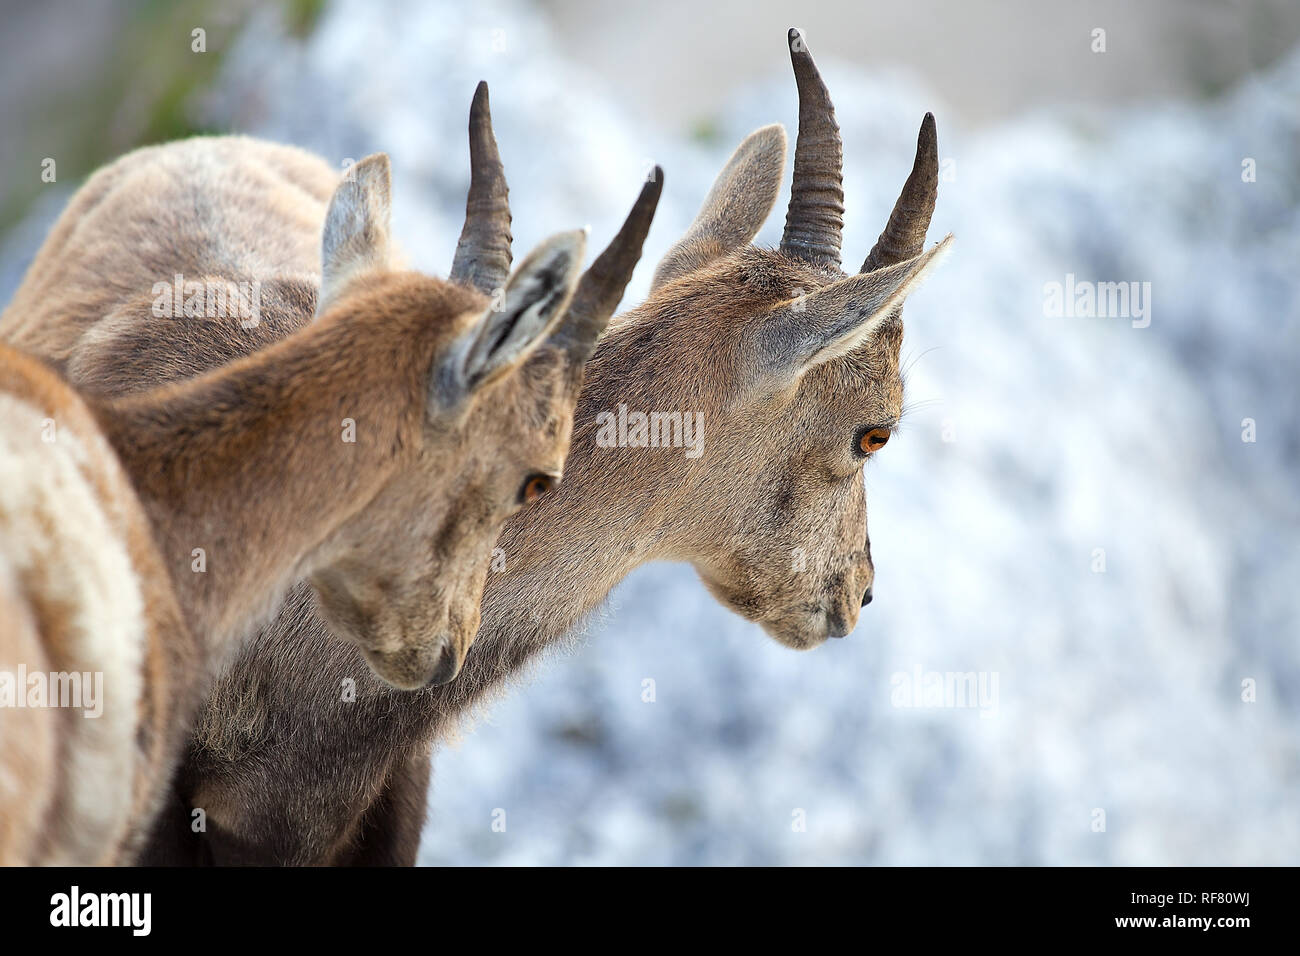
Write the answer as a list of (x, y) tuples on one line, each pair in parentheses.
[(873, 439), (534, 487)]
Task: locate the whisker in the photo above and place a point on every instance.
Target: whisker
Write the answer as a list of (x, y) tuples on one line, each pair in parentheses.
[(912, 360)]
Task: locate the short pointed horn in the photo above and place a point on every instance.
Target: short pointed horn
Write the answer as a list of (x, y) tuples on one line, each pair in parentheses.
[(483, 253), (602, 285), (904, 235), (815, 219)]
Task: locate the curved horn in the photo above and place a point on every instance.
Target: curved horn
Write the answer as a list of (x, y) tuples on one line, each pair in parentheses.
[(815, 218), (483, 253), (904, 235), (601, 286)]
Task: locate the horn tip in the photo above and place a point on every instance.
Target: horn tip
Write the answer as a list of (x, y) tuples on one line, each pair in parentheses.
[(482, 141), (927, 140), (647, 201), (480, 108), (655, 182)]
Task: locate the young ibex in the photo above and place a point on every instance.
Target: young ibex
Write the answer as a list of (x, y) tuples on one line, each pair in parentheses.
[(792, 366), (376, 452)]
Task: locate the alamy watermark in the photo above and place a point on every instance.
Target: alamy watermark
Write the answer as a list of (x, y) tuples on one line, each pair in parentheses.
[(625, 429), (210, 299), (133, 911), (75, 689), (1084, 299), (953, 690)]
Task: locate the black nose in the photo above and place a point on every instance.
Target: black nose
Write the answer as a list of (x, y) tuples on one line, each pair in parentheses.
[(866, 597)]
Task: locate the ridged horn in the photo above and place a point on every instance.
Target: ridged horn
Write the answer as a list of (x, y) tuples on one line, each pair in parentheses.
[(483, 253), (815, 219)]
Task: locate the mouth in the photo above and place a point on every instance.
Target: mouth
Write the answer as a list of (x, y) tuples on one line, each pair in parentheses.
[(447, 668), (836, 626), (801, 626), (808, 628), (412, 668)]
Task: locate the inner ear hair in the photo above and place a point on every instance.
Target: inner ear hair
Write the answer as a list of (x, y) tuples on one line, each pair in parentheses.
[(509, 330), (355, 237), (841, 317)]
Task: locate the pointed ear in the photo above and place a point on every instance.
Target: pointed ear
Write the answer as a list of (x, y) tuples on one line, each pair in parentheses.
[(841, 317), (357, 227), (521, 317), (735, 209)]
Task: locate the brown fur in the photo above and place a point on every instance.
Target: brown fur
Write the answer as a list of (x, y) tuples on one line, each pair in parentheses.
[(736, 513), (39, 823), (394, 530), (787, 362), (779, 473)]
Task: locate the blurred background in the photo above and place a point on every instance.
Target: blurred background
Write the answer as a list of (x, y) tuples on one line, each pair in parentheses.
[(1099, 521)]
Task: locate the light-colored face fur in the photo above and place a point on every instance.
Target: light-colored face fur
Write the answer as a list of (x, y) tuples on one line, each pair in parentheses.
[(779, 520), (403, 577), (782, 532), (791, 366)]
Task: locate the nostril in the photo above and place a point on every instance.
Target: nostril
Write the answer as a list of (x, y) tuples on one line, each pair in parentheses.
[(866, 597)]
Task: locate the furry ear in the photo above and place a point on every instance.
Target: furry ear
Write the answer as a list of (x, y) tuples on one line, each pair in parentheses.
[(526, 312), (841, 317), (736, 207), (357, 227)]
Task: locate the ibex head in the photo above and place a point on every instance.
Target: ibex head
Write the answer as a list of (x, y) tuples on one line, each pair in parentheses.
[(404, 578), (792, 367)]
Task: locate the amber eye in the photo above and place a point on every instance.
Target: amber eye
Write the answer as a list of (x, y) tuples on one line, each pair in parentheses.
[(535, 487), (873, 439)]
